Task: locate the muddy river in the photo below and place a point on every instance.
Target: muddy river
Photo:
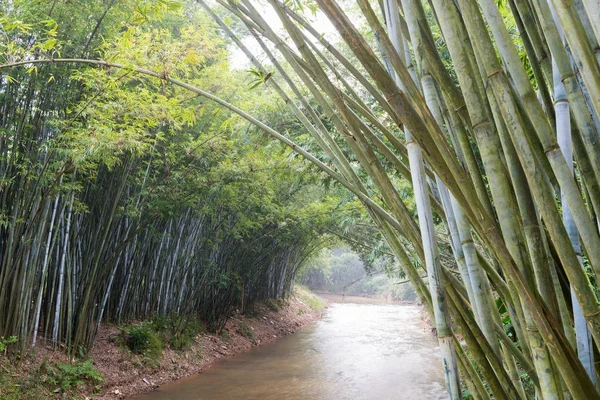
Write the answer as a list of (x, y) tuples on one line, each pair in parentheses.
[(357, 352)]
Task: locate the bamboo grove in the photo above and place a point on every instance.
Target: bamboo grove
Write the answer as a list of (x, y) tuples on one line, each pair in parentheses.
[(120, 204), (489, 109)]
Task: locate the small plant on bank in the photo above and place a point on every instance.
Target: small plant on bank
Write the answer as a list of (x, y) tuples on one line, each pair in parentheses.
[(225, 335), (246, 330), (66, 377), (5, 342), (143, 340), (178, 332), (276, 304), (15, 386)]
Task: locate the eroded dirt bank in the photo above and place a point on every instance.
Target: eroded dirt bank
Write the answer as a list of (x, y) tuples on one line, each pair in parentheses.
[(125, 374), (122, 377), (358, 351)]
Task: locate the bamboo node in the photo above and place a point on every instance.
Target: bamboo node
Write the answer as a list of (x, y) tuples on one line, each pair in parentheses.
[(456, 110), (592, 314), (553, 149), (479, 123), (390, 98), (568, 77), (529, 370), (561, 101), (496, 72)]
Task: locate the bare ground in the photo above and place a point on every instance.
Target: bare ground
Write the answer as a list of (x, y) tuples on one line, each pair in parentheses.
[(125, 374), (122, 377)]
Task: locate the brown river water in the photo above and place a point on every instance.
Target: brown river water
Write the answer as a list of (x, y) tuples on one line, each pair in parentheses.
[(357, 351)]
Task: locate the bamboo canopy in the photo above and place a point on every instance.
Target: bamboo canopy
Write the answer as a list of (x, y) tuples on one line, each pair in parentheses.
[(490, 111)]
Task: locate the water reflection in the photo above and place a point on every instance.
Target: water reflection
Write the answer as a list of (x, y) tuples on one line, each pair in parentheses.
[(357, 352)]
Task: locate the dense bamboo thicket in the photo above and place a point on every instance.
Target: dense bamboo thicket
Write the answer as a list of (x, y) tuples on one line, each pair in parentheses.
[(122, 199), (488, 109)]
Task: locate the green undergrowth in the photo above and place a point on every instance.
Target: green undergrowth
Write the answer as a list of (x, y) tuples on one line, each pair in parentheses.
[(50, 380), (276, 304), (4, 343), (71, 377), (309, 298), (179, 333), (144, 341), (246, 329), (225, 335), (148, 339)]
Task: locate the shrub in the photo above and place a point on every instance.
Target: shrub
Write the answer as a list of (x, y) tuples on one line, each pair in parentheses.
[(141, 339), (276, 304), (178, 332), (5, 342)]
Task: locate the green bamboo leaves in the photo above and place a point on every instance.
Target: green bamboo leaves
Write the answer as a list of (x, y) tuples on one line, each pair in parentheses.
[(484, 155), (260, 78)]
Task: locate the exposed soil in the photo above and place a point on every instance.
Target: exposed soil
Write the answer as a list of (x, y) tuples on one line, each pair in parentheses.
[(123, 376)]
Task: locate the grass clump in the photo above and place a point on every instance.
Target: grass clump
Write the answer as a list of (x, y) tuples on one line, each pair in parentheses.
[(276, 304), (246, 330), (23, 389), (20, 387), (143, 340)]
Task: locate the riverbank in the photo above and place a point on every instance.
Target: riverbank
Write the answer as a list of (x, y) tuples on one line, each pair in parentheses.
[(125, 374), (358, 351), (426, 322), (342, 298)]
